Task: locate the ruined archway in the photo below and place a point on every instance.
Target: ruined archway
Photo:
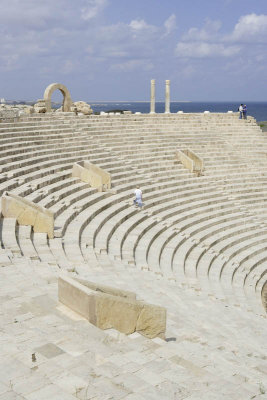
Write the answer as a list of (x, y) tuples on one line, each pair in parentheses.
[(67, 102)]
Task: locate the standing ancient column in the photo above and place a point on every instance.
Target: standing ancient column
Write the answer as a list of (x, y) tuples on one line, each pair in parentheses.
[(152, 97), (167, 97)]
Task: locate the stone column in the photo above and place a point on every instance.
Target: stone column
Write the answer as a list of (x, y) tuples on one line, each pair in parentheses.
[(152, 97), (167, 97)]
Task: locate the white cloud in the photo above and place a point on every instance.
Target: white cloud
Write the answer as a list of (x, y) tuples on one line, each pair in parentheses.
[(209, 42), (38, 34), (138, 25), (126, 41), (250, 27), (133, 65), (170, 24), (93, 8), (207, 33), (18, 15), (204, 50)]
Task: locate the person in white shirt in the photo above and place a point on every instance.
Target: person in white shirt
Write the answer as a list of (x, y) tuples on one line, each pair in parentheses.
[(138, 197), (240, 111)]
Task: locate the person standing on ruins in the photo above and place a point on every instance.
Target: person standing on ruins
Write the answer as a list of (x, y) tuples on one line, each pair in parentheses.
[(138, 197), (245, 111), (240, 109)]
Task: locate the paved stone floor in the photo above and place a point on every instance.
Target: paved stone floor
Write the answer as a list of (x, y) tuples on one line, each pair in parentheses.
[(212, 351)]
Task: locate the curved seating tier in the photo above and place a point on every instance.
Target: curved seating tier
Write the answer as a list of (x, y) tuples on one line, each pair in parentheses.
[(197, 248), (208, 231)]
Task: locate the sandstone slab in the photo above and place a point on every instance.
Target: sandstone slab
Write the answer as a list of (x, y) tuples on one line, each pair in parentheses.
[(90, 173), (106, 310), (190, 160), (28, 213)]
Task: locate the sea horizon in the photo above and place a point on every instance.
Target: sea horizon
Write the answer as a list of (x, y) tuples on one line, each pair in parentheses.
[(256, 109), (177, 101)]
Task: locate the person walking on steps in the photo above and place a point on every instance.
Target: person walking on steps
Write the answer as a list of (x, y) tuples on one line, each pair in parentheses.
[(138, 197), (240, 109), (245, 111)]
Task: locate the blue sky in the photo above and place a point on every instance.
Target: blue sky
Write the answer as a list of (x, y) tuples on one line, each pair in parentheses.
[(111, 49)]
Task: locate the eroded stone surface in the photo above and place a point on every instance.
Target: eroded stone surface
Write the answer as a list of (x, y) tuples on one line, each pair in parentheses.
[(94, 175), (152, 322), (74, 359), (82, 107), (28, 213), (40, 106), (108, 311), (216, 333)]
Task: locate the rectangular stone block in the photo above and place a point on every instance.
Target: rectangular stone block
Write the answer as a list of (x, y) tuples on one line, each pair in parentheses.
[(185, 160), (28, 213), (92, 174), (106, 308), (86, 176), (190, 160), (198, 162)]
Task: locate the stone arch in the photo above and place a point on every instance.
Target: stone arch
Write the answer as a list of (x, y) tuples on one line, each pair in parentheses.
[(67, 102)]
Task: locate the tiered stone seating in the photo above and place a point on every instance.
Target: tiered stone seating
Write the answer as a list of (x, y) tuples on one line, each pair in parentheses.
[(144, 145), (199, 241)]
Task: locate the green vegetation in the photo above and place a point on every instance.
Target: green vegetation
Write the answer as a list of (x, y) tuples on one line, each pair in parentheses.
[(263, 125)]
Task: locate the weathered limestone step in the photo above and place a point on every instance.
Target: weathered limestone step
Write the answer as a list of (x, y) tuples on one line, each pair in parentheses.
[(33, 163), (26, 174), (8, 235), (36, 189), (86, 218), (25, 242), (76, 209), (57, 250), (261, 289), (30, 157), (184, 240), (220, 259), (40, 242), (8, 155), (246, 276), (63, 198), (244, 265), (216, 229), (126, 212), (170, 213), (149, 230)]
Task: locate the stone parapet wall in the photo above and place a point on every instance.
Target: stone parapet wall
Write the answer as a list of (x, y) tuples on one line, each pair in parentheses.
[(28, 213), (107, 308), (92, 174), (190, 160)]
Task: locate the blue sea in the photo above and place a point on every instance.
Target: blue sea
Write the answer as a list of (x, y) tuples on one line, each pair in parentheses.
[(256, 109)]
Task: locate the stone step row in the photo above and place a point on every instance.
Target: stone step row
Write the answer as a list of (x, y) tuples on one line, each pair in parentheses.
[(78, 208)]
